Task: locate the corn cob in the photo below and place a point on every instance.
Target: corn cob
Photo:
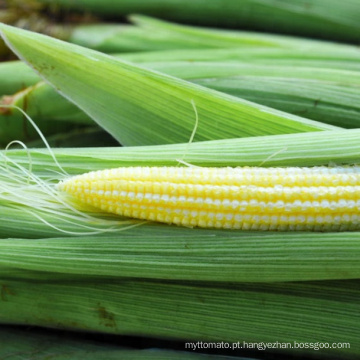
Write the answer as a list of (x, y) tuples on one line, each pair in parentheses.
[(248, 198)]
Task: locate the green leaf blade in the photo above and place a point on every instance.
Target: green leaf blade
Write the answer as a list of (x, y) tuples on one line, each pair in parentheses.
[(141, 107)]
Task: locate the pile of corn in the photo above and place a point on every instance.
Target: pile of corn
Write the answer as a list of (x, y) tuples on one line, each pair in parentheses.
[(181, 184)]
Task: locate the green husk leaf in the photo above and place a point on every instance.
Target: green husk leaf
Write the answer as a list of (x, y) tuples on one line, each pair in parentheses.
[(153, 34), (336, 57), (326, 95), (328, 19), (116, 99), (302, 312), (307, 149), (115, 38), (240, 46), (156, 251)]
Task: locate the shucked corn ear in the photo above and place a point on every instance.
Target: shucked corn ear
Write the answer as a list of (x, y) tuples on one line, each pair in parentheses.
[(248, 198)]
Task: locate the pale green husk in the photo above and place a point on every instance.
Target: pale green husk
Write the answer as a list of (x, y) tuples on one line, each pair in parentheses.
[(149, 34), (302, 312), (67, 266), (116, 98), (326, 95), (299, 76), (155, 251)]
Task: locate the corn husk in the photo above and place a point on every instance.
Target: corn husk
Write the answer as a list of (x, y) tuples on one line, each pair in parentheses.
[(171, 253), (301, 312), (326, 95), (67, 266), (342, 58), (37, 345), (303, 77), (149, 34), (90, 283), (320, 18), (53, 114), (116, 98)]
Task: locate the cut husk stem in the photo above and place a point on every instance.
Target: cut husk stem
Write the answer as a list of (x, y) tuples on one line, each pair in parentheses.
[(52, 113)]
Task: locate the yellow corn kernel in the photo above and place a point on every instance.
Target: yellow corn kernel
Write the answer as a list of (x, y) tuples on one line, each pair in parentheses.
[(248, 198)]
